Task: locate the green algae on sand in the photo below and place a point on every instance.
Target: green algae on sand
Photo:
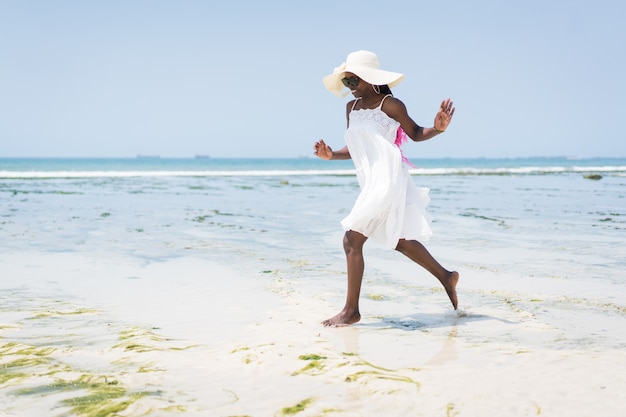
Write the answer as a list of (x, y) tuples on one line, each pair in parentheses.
[(301, 406), (45, 367)]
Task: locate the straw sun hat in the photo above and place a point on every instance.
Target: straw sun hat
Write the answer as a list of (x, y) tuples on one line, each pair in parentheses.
[(366, 66)]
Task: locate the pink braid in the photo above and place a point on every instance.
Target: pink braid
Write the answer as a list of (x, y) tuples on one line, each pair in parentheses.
[(401, 139)]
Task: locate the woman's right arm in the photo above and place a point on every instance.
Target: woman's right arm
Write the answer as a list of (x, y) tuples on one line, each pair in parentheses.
[(324, 151)]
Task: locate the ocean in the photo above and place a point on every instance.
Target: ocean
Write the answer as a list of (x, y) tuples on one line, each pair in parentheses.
[(156, 166), (540, 244), (536, 204)]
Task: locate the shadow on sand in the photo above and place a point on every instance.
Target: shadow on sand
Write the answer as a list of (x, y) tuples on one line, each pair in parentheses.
[(423, 321)]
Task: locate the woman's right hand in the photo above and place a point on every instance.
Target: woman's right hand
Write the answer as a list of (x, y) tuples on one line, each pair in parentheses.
[(322, 150)]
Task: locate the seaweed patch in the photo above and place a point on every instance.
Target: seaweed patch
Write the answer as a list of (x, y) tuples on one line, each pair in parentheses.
[(301, 406), (69, 370)]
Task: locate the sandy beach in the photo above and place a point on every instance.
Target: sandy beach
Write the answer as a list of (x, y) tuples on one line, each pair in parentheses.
[(135, 297), (184, 345)]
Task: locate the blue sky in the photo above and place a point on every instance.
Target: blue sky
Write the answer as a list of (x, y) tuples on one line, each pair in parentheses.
[(243, 78)]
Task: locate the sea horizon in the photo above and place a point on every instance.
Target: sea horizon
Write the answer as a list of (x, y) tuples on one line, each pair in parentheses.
[(305, 156), (41, 167)]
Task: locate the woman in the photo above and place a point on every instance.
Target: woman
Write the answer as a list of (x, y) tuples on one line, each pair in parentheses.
[(390, 209)]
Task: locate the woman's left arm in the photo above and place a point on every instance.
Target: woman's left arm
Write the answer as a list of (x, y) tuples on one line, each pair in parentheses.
[(397, 110)]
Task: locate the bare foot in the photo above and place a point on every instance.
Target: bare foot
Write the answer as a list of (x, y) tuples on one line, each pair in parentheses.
[(449, 283), (342, 319)]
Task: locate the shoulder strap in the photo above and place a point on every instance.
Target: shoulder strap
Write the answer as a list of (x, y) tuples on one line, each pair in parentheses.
[(354, 104), (380, 106)]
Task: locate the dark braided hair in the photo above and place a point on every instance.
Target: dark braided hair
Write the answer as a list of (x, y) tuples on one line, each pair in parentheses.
[(384, 89)]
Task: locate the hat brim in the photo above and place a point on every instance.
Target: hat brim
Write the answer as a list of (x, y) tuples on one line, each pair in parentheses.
[(373, 76)]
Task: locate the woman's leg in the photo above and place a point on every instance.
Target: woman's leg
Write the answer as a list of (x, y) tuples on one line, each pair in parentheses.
[(420, 255), (353, 246)]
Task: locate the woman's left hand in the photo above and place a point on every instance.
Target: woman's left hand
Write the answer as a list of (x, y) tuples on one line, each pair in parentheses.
[(444, 115)]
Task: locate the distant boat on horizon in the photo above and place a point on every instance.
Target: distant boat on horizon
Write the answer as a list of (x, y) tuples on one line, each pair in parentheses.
[(202, 156)]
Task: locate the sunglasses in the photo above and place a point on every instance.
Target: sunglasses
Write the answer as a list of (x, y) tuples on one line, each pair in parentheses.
[(351, 82)]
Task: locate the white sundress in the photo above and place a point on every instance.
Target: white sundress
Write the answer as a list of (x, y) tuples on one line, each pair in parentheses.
[(390, 206)]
